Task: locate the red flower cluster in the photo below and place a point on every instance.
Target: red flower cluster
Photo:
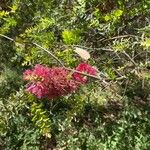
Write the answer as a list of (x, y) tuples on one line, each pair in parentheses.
[(85, 68), (49, 82), (56, 81)]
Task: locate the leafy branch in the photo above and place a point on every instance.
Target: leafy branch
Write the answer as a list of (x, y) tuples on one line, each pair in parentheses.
[(57, 59)]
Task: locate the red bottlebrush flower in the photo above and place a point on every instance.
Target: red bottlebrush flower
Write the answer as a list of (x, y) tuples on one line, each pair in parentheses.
[(38, 73), (61, 82), (37, 89), (85, 68), (27, 75), (49, 82)]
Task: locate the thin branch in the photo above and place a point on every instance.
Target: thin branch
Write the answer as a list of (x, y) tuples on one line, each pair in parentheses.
[(117, 72), (10, 39), (103, 49), (125, 89), (92, 48), (49, 53), (82, 73), (7, 37), (130, 58), (37, 45), (141, 53), (121, 36)]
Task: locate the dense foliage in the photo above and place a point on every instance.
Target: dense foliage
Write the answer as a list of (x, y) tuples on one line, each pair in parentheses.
[(109, 112)]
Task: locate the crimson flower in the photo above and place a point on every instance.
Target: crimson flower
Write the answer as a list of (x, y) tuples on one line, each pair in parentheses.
[(49, 82), (56, 81), (85, 68)]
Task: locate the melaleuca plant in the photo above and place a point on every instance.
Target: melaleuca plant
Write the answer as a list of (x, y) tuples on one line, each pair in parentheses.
[(111, 113)]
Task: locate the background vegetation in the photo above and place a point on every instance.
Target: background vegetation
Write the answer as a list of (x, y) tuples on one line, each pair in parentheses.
[(108, 114)]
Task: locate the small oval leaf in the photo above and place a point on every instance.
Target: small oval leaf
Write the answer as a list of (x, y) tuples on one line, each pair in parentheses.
[(82, 53)]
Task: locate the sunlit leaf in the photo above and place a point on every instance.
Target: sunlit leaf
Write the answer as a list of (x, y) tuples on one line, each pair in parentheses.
[(82, 53), (146, 43)]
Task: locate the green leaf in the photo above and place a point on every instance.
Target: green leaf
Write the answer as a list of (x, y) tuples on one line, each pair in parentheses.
[(71, 37), (107, 17), (118, 12), (146, 43)]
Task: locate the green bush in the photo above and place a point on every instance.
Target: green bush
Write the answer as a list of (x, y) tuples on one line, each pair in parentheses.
[(107, 114)]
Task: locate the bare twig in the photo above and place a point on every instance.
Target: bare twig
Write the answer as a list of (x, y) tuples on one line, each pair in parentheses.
[(117, 72), (92, 48), (130, 58), (37, 45), (125, 89), (140, 53), (7, 37), (49, 53), (121, 36), (82, 73)]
